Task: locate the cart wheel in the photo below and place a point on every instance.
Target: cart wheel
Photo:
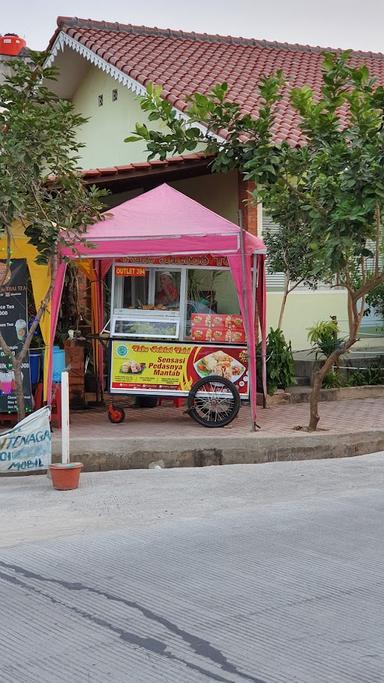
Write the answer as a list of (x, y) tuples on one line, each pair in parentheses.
[(213, 401), (116, 414)]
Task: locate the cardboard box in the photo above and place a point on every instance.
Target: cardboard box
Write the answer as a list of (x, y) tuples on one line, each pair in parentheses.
[(217, 321), (200, 320), (237, 323), (235, 337), (219, 334), (201, 334)]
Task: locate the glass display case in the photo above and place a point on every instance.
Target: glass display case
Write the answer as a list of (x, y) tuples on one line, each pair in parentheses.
[(148, 324), (147, 302), (174, 302)]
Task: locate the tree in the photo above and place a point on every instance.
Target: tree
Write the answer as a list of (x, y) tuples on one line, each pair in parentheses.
[(288, 253), (39, 179), (333, 182)]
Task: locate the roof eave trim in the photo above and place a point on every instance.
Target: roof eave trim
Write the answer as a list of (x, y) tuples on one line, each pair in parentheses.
[(64, 40)]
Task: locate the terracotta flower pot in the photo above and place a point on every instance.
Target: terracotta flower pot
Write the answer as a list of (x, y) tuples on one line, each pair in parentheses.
[(65, 477)]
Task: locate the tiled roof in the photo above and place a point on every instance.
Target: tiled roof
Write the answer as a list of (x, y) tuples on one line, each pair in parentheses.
[(146, 167), (185, 62)]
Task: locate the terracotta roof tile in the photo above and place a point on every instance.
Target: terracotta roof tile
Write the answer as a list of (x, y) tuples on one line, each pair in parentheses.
[(185, 62), (183, 160)]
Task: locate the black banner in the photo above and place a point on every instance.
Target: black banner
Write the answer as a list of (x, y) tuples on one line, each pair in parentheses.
[(13, 327)]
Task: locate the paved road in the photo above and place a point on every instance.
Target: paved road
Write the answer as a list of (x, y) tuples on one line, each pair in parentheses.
[(243, 574)]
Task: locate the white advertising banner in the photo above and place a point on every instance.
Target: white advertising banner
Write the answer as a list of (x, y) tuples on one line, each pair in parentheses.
[(28, 446)]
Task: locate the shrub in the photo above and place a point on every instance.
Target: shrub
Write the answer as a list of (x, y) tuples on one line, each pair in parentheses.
[(280, 365)]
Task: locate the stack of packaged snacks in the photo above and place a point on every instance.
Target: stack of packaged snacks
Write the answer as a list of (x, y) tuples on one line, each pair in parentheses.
[(219, 328)]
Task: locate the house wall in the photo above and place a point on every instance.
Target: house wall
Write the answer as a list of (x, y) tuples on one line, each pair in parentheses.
[(103, 134), (303, 310), (218, 192)]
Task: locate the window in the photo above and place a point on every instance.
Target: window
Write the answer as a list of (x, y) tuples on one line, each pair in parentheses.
[(212, 308), (167, 289), (135, 290), (275, 281)]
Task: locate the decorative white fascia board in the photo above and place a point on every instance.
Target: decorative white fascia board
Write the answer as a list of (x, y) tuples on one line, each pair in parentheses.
[(64, 40)]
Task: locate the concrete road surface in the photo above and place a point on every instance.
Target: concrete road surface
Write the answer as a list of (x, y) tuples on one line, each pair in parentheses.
[(244, 574)]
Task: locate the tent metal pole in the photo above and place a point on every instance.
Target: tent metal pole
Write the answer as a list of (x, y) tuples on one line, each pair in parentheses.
[(254, 282), (244, 292)]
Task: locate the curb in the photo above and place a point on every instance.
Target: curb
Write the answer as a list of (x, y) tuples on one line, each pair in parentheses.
[(108, 454)]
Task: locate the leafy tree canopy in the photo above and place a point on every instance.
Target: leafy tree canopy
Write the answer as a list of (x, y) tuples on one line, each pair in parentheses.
[(39, 179), (331, 185), (39, 148), (334, 183)]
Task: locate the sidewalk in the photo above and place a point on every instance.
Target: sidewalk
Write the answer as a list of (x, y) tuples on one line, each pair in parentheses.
[(139, 499), (166, 434)]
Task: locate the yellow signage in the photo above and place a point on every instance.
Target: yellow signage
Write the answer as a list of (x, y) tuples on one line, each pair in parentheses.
[(129, 271), (173, 368)]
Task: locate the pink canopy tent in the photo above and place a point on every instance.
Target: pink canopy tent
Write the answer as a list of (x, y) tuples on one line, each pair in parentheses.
[(163, 221)]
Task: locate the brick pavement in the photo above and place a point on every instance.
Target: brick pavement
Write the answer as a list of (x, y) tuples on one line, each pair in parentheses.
[(339, 417)]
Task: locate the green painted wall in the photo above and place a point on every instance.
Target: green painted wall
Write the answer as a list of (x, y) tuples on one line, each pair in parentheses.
[(109, 124), (304, 309)]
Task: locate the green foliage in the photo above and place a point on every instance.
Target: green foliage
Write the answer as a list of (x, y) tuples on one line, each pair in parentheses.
[(371, 375), (288, 253), (39, 178), (334, 380), (280, 365), (375, 299), (327, 194), (324, 337)]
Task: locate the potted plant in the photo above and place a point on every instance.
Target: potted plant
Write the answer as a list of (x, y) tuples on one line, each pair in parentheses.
[(65, 476)]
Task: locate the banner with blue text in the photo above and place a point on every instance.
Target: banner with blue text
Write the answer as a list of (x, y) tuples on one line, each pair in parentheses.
[(28, 446)]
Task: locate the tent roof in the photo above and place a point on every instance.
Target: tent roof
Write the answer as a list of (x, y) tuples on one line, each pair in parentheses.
[(161, 212), (164, 220)]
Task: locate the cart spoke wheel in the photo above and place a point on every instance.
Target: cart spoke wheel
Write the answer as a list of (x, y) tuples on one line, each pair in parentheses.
[(116, 414), (213, 401)]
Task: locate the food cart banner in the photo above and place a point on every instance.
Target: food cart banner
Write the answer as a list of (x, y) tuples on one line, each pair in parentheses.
[(13, 326), (203, 260), (27, 447), (172, 369)]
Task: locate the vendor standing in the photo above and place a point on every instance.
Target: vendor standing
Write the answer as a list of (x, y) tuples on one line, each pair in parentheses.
[(168, 294)]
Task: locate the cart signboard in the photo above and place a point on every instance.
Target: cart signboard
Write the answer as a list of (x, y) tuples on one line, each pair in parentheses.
[(172, 369)]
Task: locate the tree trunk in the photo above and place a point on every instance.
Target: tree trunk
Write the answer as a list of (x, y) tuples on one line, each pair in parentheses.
[(19, 389), (316, 388), (318, 381), (283, 303), (355, 321)]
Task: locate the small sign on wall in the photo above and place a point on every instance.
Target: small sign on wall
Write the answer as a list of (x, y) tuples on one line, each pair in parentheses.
[(129, 271)]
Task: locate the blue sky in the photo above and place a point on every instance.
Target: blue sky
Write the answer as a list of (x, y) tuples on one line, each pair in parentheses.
[(334, 23)]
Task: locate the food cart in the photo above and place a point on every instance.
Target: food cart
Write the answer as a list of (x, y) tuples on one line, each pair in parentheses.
[(187, 298)]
